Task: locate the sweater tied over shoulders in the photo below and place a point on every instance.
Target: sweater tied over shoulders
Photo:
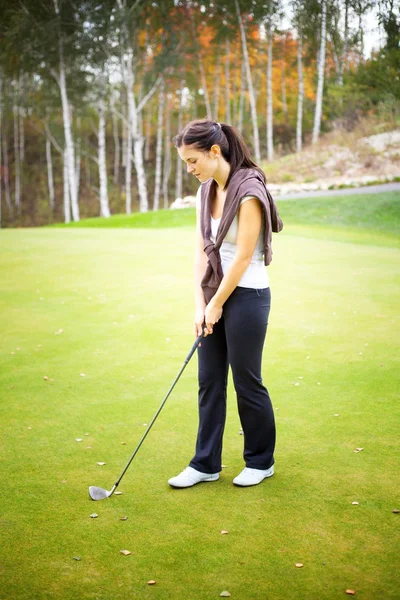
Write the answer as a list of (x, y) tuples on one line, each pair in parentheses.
[(245, 182)]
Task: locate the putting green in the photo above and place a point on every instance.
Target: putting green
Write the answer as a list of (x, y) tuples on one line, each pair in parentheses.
[(95, 324)]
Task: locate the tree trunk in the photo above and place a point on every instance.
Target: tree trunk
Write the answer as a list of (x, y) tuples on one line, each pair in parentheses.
[(345, 42), (201, 65), (270, 124), (157, 183), (321, 69), (1, 143), (125, 136), (78, 156), (117, 150), (104, 207), (361, 36), (178, 183), (228, 117), (147, 143), (299, 125), (136, 138), (241, 96), (6, 172), (69, 143), (17, 186), (284, 99), (253, 107), (67, 207), (128, 168), (217, 85), (167, 152), (21, 121), (50, 180)]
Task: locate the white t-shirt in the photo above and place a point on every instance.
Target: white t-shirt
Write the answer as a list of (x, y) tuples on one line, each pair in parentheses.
[(256, 275)]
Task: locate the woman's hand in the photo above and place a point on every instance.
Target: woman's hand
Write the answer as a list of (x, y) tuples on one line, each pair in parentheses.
[(212, 315), (198, 321)]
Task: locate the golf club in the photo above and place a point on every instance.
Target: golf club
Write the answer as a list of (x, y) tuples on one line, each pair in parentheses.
[(97, 493)]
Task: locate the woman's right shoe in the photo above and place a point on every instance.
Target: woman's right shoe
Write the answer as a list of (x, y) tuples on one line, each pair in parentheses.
[(190, 477), (252, 476)]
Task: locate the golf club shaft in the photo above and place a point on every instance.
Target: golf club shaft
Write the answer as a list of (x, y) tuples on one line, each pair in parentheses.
[(187, 359)]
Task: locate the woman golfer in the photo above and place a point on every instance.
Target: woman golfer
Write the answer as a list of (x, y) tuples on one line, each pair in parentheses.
[(236, 216)]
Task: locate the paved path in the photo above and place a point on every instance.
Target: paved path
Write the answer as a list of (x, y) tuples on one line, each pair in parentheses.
[(370, 189)]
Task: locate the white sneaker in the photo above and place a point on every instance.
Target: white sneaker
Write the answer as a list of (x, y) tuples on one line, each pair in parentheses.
[(190, 477), (252, 476)]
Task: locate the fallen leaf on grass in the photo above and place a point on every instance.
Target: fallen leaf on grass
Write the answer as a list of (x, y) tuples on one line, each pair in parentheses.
[(123, 518), (358, 450), (125, 552), (123, 443), (101, 464), (94, 516), (225, 594), (299, 565), (151, 582), (224, 532), (350, 592)]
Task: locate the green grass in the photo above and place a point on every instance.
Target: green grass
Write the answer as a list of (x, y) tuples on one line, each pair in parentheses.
[(379, 213), (123, 299)]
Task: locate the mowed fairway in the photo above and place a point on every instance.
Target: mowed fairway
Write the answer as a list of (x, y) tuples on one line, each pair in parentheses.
[(96, 323)]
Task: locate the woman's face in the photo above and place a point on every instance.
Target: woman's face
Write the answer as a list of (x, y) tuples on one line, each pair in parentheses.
[(198, 163)]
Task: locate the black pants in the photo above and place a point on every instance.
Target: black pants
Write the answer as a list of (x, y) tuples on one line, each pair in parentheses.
[(238, 341)]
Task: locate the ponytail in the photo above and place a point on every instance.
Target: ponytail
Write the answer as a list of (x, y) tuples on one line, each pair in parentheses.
[(203, 134), (239, 155)]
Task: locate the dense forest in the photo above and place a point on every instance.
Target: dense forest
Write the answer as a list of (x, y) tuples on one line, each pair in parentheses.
[(92, 92)]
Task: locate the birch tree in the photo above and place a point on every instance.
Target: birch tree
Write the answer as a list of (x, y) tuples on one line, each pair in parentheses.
[(283, 79), (160, 123), (200, 62), (252, 98), (1, 123), (60, 77), (321, 71), (117, 150), (300, 95), (17, 163), (167, 151), (102, 162), (228, 118), (128, 78), (49, 162), (270, 124)]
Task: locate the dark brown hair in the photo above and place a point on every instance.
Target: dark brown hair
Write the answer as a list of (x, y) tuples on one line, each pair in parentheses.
[(203, 134)]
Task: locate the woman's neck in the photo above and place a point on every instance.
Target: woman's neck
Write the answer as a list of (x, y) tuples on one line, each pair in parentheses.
[(221, 175)]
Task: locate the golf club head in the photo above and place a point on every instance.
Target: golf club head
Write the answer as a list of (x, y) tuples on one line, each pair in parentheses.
[(98, 493)]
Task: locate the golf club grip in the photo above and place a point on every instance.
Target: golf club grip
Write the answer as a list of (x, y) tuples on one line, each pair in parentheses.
[(189, 356), (194, 348)]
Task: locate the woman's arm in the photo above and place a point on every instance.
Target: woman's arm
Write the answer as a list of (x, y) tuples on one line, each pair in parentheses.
[(249, 226), (200, 265)]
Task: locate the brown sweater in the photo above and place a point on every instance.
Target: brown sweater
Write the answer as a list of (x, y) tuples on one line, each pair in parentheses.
[(245, 182)]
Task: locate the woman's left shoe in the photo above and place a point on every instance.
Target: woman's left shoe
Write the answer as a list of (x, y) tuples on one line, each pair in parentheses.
[(252, 476)]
